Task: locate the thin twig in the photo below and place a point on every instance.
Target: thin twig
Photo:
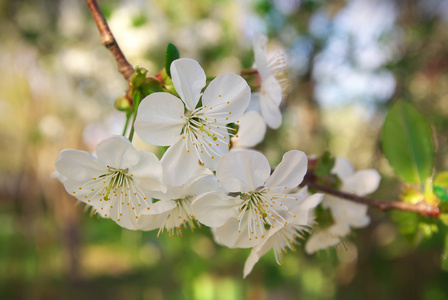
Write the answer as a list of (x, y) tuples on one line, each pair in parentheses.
[(421, 208), (108, 40)]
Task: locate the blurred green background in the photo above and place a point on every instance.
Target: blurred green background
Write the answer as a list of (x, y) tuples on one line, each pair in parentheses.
[(348, 61)]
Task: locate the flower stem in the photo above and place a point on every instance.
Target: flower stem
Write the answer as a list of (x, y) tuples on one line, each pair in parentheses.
[(108, 40), (131, 133), (128, 117), (137, 97)]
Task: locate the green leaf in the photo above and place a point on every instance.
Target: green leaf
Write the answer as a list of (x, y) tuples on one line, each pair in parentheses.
[(441, 193), (171, 55), (407, 143)]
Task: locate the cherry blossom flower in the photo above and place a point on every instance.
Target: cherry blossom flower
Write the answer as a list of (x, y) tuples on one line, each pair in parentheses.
[(346, 214), (193, 132), (281, 238), (117, 182), (273, 82), (174, 208), (263, 199)]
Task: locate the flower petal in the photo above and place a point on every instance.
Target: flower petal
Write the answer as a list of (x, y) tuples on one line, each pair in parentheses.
[(228, 93), (362, 182), (160, 119), (321, 240), (214, 209), (251, 131), (347, 212), (228, 235), (148, 172), (188, 80), (270, 112), (302, 211), (78, 165), (342, 168), (160, 207), (243, 170), (272, 90), (213, 150), (117, 152), (251, 260), (261, 61), (179, 164), (290, 172), (201, 184)]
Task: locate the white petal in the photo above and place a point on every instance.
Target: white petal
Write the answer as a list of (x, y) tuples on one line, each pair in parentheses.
[(347, 212), (127, 218), (78, 165), (188, 79), (261, 62), (270, 112), (251, 260), (321, 240), (201, 184), (179, 164), (303, 210), (148, 172), (215, 149), (272, 90), (362, 182), (228, 93), (243, 171), (214, 209), (290, 172), (254, 103), (342, 168), (160, 207), (160, 119), (251, 131), (228, 235), (117, 152), (339, 229), (73, 188)]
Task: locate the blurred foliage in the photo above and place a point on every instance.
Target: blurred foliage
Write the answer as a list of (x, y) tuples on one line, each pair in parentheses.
[(57, 90)]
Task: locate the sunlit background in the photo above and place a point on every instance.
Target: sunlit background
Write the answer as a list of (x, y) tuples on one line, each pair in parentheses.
[(348, 61)]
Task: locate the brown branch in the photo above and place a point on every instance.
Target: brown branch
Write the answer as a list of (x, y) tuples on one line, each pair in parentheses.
[(421, 208), (108, 40)]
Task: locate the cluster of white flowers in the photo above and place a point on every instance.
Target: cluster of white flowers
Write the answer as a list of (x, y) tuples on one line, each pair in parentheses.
[(198, 181)]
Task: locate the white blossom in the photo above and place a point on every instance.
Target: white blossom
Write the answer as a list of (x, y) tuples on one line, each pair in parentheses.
[(193, 132), (273, 82), (118, 182), (346, 214), (262, 199), (174, 210), (282, 238)]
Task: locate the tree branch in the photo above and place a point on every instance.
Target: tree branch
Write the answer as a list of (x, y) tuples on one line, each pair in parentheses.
[(108, 40), (421, 208)]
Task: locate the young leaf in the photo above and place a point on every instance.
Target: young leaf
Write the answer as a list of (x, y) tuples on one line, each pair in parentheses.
[(171, 55), (407, 143), (441, 193)]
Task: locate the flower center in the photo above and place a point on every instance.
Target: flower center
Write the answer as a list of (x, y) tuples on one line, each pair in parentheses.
[(115, 189), (277, 66), (205, 129), (262, 209), (181, 214)]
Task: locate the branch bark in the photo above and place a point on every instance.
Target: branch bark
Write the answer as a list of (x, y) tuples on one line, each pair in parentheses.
[(421, 208), (108, 40)]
